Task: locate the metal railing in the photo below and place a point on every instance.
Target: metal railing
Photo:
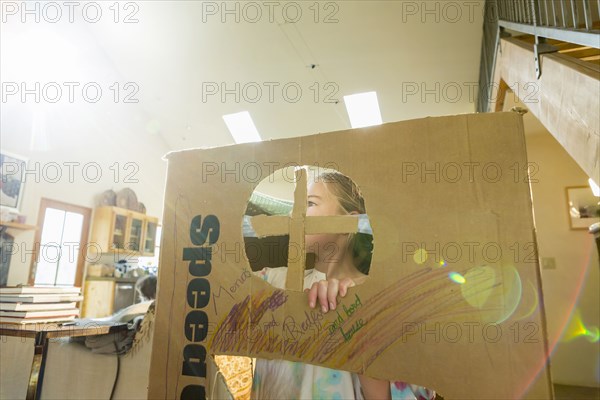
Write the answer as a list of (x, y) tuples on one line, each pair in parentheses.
[(573, 21), (491, 31)]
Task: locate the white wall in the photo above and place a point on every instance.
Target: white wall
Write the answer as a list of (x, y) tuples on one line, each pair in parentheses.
[(98, 130), (574, 283), (99, 143)]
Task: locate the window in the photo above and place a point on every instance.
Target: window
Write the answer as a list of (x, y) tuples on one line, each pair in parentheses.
[(63, 228)]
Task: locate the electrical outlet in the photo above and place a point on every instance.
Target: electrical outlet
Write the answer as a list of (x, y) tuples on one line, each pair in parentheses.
[(548, 263)]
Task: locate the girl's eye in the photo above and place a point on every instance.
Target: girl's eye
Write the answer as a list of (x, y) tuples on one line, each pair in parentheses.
[(311, 203)]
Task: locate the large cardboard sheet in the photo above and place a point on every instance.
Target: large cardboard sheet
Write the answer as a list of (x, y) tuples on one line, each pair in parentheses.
[(453, 301)]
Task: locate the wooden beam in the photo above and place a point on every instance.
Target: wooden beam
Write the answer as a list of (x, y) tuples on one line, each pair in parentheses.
[(565, 98), (501, 96)]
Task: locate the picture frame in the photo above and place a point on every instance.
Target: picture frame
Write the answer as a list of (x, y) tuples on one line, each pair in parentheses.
[(12, 182), (583, 208)]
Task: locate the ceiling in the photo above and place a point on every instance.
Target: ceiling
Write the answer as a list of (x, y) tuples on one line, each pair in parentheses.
[(422, 59)]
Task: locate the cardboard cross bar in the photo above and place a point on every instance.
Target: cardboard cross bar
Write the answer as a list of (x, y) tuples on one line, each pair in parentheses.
[(298, 225)]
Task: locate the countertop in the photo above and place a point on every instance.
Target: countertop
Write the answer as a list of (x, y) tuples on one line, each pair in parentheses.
[(112, 278)]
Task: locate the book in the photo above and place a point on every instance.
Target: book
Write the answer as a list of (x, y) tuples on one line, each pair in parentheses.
[(39, 290), (37, 306), (40, 314), (39, 298), (17, 320)]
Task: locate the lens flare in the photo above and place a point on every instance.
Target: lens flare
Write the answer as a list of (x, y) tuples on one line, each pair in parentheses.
[(590, 250), (443, 263), (420, 256), (534, 299), (576, 328), (456, 277), (512, 292), (479, 285), (496, 291)]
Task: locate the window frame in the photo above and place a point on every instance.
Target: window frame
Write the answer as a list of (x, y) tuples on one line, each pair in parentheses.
[(85, 230)]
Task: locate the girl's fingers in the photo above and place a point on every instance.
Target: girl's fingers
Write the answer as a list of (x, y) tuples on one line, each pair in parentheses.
[(344, 285), (322, 294), (325, 292), (312, 295), (332, 292)]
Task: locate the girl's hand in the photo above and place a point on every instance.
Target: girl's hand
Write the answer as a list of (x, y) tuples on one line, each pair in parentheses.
[(326, 292)]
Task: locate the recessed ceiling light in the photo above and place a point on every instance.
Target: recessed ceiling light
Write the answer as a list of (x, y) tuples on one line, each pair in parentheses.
[(363, 109), (241, 127)]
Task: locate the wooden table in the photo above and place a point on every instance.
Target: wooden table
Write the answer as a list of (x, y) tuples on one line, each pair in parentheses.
[(43, 332)]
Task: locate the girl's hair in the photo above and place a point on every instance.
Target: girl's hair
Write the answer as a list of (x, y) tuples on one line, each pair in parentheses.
[(351, 199), (146, 287)]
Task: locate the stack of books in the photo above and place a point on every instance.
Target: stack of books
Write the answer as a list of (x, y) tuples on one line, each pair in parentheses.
[(38, 304)]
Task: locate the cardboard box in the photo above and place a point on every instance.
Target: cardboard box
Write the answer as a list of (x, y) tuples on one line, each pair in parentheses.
[(453, 301)]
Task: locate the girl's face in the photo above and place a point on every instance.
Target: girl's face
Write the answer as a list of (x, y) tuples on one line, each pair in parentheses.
[(321, 202)]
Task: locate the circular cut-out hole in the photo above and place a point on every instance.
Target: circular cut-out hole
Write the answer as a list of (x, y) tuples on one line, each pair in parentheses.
[(329, 194)]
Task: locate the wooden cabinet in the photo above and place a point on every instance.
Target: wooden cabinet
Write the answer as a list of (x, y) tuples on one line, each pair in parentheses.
[(150, 237), (98, 298), (118, 230), (103, 296)]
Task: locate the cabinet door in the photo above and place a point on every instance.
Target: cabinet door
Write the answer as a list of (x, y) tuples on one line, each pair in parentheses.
[(119, 232), (134, 242), (150, 238), (124, 232), (98, 298)]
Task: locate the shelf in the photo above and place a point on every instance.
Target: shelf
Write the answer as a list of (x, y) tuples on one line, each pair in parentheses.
[(16, 225)]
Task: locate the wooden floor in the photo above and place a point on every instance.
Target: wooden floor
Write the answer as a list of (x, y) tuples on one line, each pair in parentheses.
[(563, 392)]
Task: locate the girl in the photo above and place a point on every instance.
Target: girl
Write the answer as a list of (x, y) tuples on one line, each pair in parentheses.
[(334, 272)]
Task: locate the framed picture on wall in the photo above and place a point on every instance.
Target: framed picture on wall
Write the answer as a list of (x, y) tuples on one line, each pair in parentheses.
[(583, 207), (12, 182)]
